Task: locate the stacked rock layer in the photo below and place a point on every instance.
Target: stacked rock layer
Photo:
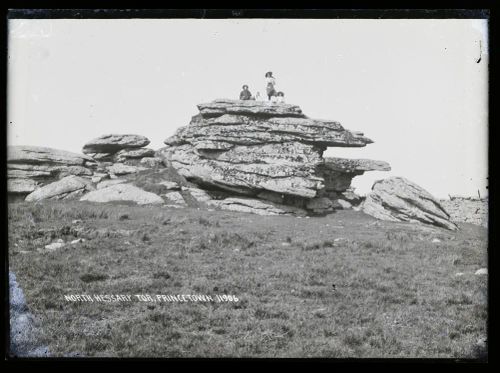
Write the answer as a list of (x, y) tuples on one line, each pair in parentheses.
[(37, 173), (272, 151), (29, 167)]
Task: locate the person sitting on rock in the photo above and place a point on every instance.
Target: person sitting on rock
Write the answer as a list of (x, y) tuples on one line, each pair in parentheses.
[(258, 97), (245, 94), (281, 97), (270, 83)]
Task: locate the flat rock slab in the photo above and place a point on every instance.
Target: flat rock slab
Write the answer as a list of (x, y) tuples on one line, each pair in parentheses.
[(255, 206), (225, 106), (400, 200), (41, 155), (66, 188), (227, 130), (355, 165), (123, 192), (114, 143), (41, 171)]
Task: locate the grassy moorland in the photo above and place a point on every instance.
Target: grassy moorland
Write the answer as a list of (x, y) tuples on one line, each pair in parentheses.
[(344, 285)]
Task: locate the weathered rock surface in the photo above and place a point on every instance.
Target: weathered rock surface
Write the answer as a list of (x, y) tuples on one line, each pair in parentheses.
[(21, 186), (151, 162), (102, 157), (398, 199), (322, 205), (122, 192), (355, 165), (97, 177), (198, 194), (227, 131), (125, 154), (29, 167), (175, 198), (339, 172), (170, 185), (252, 147), (226, 106), (36, 155), (123, 169), (114, 143), (108, 183), (66, 188), (255, 206)]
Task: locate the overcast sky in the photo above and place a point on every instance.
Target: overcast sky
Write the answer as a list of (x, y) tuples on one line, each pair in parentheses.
[(413, 86)]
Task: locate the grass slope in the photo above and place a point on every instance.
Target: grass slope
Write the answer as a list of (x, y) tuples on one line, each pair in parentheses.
[(344, 285)]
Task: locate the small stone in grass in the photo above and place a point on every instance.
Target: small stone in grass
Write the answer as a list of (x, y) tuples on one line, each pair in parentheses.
[(54, 246), (435, 240)]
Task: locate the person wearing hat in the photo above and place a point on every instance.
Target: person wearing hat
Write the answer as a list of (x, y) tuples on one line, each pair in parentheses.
[(245, 94), (270, 83)]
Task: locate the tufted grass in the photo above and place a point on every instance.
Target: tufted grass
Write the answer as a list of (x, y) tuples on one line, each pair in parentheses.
[(339, 286)]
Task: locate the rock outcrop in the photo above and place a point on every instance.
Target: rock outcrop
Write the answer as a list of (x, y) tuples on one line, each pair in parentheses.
[(119, 154), (250, 156), (398, 199), (254, 149), (29, 167)]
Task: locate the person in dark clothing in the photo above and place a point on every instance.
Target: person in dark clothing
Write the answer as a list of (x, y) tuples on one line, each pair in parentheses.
[(245, 94), (270, 83)]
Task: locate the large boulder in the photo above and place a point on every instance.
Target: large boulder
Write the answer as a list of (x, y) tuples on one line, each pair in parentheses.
[(248, 147), (123, 192), (400, 200), (114, 143), (66, 188)]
